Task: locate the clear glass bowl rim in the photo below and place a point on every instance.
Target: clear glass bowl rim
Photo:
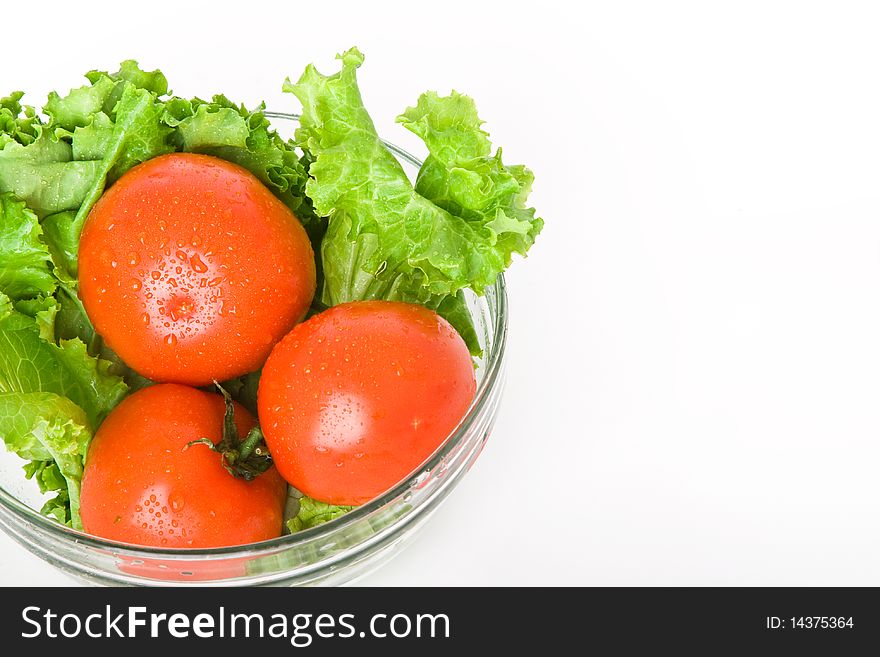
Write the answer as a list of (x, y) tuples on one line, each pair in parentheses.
[(493, 360)]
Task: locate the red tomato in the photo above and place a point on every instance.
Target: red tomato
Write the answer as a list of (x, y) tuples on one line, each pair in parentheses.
[(191, 270), (141, 486), (357, 397)]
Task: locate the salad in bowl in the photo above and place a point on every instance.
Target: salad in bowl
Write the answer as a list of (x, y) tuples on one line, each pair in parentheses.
[(232, 355)]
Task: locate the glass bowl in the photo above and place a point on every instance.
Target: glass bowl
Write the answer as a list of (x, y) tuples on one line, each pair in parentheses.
[(334, 553)]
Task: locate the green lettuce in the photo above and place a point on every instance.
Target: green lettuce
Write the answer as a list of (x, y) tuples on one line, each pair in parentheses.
[(43, 175), (461, 176), (53, 434), (135, 134), (95, 134), (101, 96), (25, 263), (77, 108), (313, 513), (389, 240), (52, 397), (31, 363), (44, 310), (18, 123), (223, 129)]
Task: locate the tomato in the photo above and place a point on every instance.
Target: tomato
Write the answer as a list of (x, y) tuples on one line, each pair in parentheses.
[(141, 485), (357, 397), (191, 270)]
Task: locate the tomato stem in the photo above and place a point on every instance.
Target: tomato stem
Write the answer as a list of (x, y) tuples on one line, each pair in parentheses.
[(244, 459), (252, 443)]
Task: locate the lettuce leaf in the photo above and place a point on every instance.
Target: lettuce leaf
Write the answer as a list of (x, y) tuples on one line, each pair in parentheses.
[(25, 264), (385, 238), (313, 513), (223, 129), (44, 310), (18, 123), (135, 134), (53, 434), (79, 105), (129, 72), (462, 177), (43, 175), (31, 363), (52, 397), (94, 135), (61, 235)]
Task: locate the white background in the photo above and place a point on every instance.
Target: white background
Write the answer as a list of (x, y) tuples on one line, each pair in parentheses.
[(694, 364)]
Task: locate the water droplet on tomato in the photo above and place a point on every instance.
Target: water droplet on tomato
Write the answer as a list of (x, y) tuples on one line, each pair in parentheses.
[(171, 339), (198, 265), (177, 504), (113, 264), (145, 318), (135, 284), (133, 258), (155, 275)]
